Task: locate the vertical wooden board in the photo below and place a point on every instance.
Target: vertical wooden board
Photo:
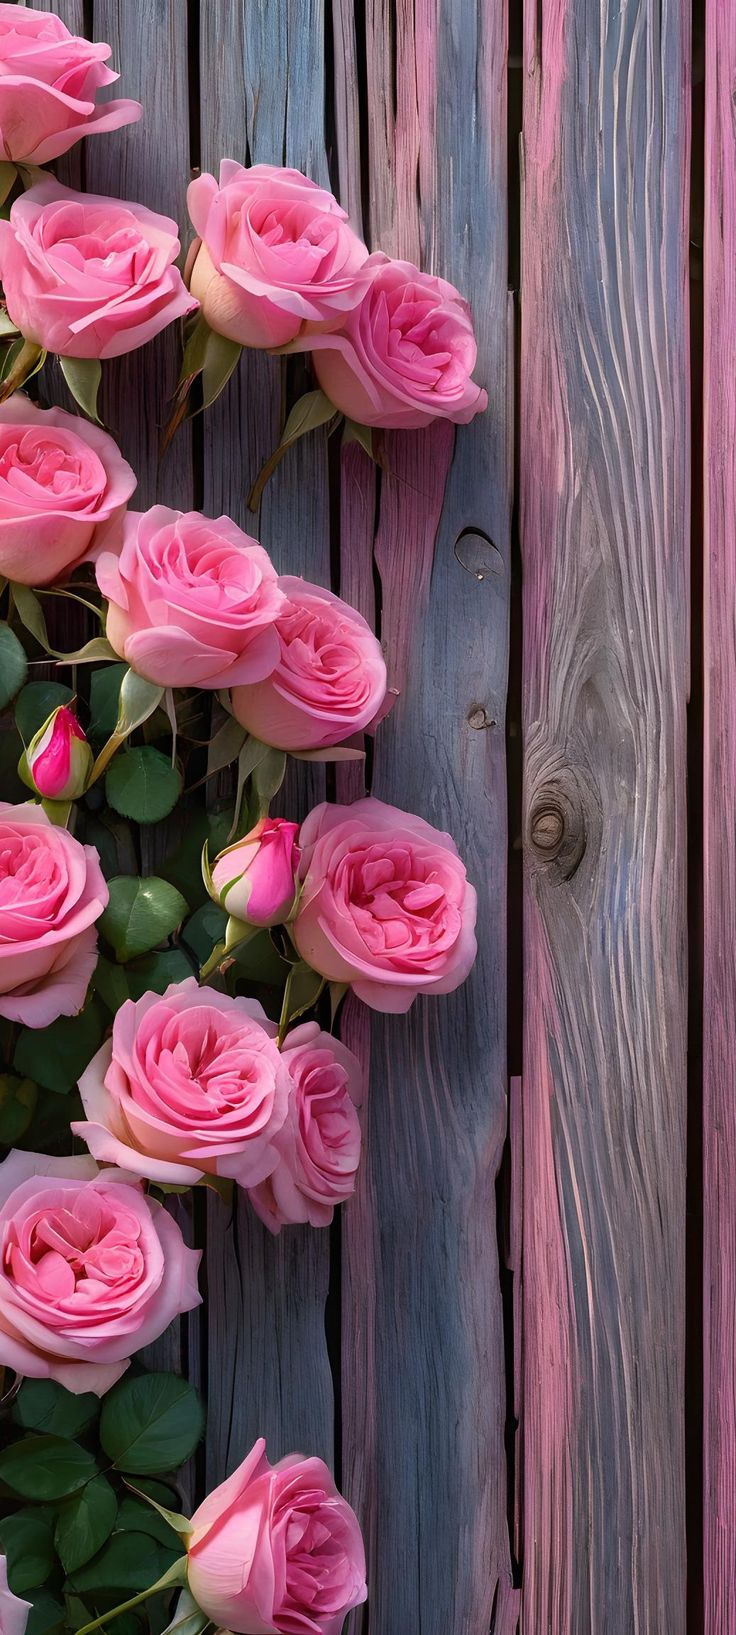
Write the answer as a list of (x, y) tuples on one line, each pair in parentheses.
[(262, 101), (604, 456), (719, 886), (423, 1391)]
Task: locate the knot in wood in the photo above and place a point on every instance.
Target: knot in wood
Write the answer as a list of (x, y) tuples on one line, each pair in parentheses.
[(556, 826), (547, 827)]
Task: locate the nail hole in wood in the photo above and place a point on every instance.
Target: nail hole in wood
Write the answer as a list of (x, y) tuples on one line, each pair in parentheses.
[(477, 554)]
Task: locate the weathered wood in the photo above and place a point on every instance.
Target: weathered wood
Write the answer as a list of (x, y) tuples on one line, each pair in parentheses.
[(422, 1397), (604, 453), (719, 885)]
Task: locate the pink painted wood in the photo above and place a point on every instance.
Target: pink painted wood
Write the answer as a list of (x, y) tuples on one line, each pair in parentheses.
[(719, 885)]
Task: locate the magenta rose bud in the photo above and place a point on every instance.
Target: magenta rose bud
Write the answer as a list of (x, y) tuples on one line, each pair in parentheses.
[(193, 601), (276, 1548), (49, 81), (385, 905), (91, 1270), (329, 680), (190, 1084), (276, 252), (13, 1611), (58, 760), (89, 277), (405, 356), (64, 487), (255, 878), (319, 1145), (51, 892)]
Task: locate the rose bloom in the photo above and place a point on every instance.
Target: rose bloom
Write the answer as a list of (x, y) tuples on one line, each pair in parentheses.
[(90, 1270), (386, 905), (276, 1548), (329, 680), (13, 1611), (64, 486), (255, 878), (191, 1083), (89, 277), (193, 601), (49, 81), (319, 1145), (51, 893), (276, 251), (405, 356), (58, 760)]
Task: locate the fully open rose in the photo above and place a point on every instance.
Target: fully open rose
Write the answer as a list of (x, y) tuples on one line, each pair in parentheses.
[(276, 251), (386, 905), (193, 601), (13, 1611), (89, 277), (90, 1270), (49, 81), (64, 485), (276, 1548), (319, 1145), (51, 892), (329, 680), (191, 1083)]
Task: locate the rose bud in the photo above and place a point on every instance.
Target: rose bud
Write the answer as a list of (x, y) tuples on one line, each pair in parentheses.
[(255, 879), (58, 760)]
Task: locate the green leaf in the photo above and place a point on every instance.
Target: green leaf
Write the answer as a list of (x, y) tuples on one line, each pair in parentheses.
[(258, 961), (47, 1615), (18, 1099), (26, 360), (83, 376), (111, 983), (303, 988), (151, 1424), (84, 1524), (138, 699), (203, 930), (268, 777), (129, 1561), (42, 1405), (175, 1574), (153, 973), (355, 433), (8, 179), (68, 1046), (144, 1515), (140, 914), (27, 1540), (36, 702), (46, 1467), (13, 665), (220, 359), (104, 699), (142, 784), (188, 1619), (309, 412), (30, 613)]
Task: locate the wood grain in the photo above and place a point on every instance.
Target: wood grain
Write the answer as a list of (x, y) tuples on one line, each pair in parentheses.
[(604, 452), (719, 884)]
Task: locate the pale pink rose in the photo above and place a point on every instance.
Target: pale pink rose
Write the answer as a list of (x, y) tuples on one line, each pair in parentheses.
[(58, 760), (89, 277), (276, 1548), (13, 1611), (49, 81), (329, 680), (90, 1270), (276, 252), (51, 893), (255, 878), (386, 905), (64, 485), (319, 1145), (193, 601), (405, 356), (191, 1084)]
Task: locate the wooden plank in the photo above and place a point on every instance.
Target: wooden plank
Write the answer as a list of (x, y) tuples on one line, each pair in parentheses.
[(422, 1398), (719, 886), (604, 449), (262, 100)]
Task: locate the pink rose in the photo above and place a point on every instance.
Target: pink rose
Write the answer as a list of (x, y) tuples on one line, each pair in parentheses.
[(90, 1270), (193, 602), (89, 277), (63, 485), (329, 680), (51, 893), (319, 1145), (255, 878), (386, 905), (190, 1084), (49, 81), (13, 1611), (58, 760), (405, 356), (277, 251), (276, 1548)]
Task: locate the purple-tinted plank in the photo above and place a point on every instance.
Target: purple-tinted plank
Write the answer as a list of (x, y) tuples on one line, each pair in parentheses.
[(719, 889), (604, 450)]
